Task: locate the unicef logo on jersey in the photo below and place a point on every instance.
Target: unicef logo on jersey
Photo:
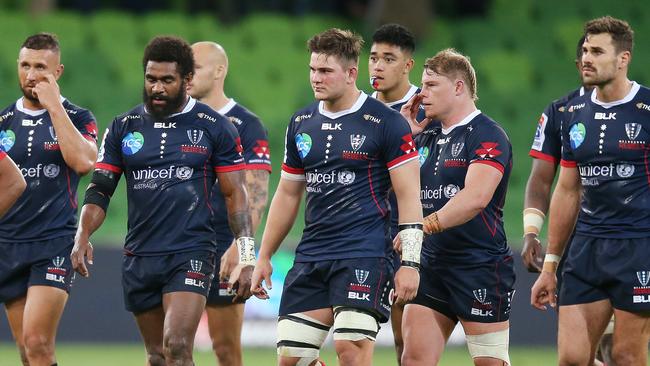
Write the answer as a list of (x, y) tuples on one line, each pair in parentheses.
[(132, 143), (184, 172), (423, 154), (577, 135), (51, 170), (303, 143), (450, 190), (346, 177), (7, 139)]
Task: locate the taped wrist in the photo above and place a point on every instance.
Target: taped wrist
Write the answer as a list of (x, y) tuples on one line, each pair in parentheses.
[(246, 249), (410, 235), (533, 220), (101, 188)]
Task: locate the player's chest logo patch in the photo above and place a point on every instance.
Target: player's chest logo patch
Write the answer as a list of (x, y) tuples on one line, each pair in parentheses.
[(423, 154), (195, 136), (356, 141), (132, 143), (632, 130), (54, 144), (303, 144), (456, 148), (577, 135), (7, 139)]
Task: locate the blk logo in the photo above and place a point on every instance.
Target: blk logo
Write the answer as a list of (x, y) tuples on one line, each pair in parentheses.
[(331, 126)]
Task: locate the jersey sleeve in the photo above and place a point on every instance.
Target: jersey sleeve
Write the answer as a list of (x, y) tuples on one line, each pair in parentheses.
[(227, 152), (292, 167), (568, 160), (110, 152), (399, 147), (547, 143), (255, 142), (86, 123), (488, 144)]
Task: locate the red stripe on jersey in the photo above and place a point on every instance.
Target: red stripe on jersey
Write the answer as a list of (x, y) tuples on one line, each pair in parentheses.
[(90, 138), (292, 170), (266, 167), (206, 187), (647, 168), (541, 156), (73, 201), (491, 163), (488, 150), (109, 167), (491, 228), (229, 168), (372, 190), (91, 128), (401, 159), (262, 149), (409, 145), (568, 163), (3, 155)]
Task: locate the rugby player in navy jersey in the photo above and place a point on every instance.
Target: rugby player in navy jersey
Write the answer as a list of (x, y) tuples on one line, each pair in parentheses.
[(225, 317), (546, 154), (345, 150), (467, 270), (53, 142), (603, 179), (169, 149), (389, 65), (12, 182)]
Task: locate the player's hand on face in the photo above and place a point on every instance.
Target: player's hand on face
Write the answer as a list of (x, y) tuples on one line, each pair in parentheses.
[(262, 272), (81, 251), (229, 261), (531, 254), (407, 280), (47, 92), (410, 112), (240, 282), (543, 291)]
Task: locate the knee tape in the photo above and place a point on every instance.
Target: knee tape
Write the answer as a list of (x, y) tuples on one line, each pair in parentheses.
[(354, 324), (301, 336), (494, 345)]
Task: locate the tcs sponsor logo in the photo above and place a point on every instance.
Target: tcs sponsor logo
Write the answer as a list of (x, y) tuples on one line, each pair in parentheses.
[(7, 140), (132, 143), (303, 143)]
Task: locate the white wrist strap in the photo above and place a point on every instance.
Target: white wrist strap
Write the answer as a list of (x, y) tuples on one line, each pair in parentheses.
[(246, 249)]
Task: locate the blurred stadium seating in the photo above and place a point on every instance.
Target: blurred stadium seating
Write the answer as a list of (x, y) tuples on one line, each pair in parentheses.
[(523, 52)]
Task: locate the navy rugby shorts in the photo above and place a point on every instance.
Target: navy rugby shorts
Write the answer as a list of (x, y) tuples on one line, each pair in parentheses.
[(146, 278), (479, 292), (219, 293), (39, 263), (363, 283), (614, 269)]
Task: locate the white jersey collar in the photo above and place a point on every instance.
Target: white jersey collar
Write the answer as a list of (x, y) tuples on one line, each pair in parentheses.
[(465, 121), (627, 98), (355, 107), (20, 106), (409, 94), (226, 108)]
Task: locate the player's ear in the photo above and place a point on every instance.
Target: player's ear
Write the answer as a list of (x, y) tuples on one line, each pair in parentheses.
[(409, 65), (58, 71), (188, 77), (624, 58), (220, 72), (459, 87), (353, 72)]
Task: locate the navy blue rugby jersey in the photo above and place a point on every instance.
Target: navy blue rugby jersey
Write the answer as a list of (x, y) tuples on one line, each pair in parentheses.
[(257, 156), (170, 167), (477, 139), (609, 143), (48, 207), (547, 143), (345, 158)]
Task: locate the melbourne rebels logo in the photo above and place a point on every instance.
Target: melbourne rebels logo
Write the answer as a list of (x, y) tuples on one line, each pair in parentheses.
[(457, 148), (577, 135), (132, 143), (641, 294), (361, 275), (7, 139), (194, 277), (356, 141), (195, 136), (359, 291), (632, 130), (303, 143), (480, 295)]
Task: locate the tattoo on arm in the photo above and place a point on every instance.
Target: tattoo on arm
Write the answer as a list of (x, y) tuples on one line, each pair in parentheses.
[(257, 185), (240, 223)]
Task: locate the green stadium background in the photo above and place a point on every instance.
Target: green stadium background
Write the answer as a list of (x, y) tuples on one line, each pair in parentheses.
[(523, 52)]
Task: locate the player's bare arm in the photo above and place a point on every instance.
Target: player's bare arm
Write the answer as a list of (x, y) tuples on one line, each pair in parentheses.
[(78, 152), (537, 197), (480, 183), (257, 187), (410, 111), (407, 190), (563, 214), (12, 184), (93, 213), (282, 214), (232, 185)]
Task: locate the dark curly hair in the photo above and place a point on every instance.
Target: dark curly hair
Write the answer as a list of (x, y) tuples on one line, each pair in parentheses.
[(395, 35), (170, 49)]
